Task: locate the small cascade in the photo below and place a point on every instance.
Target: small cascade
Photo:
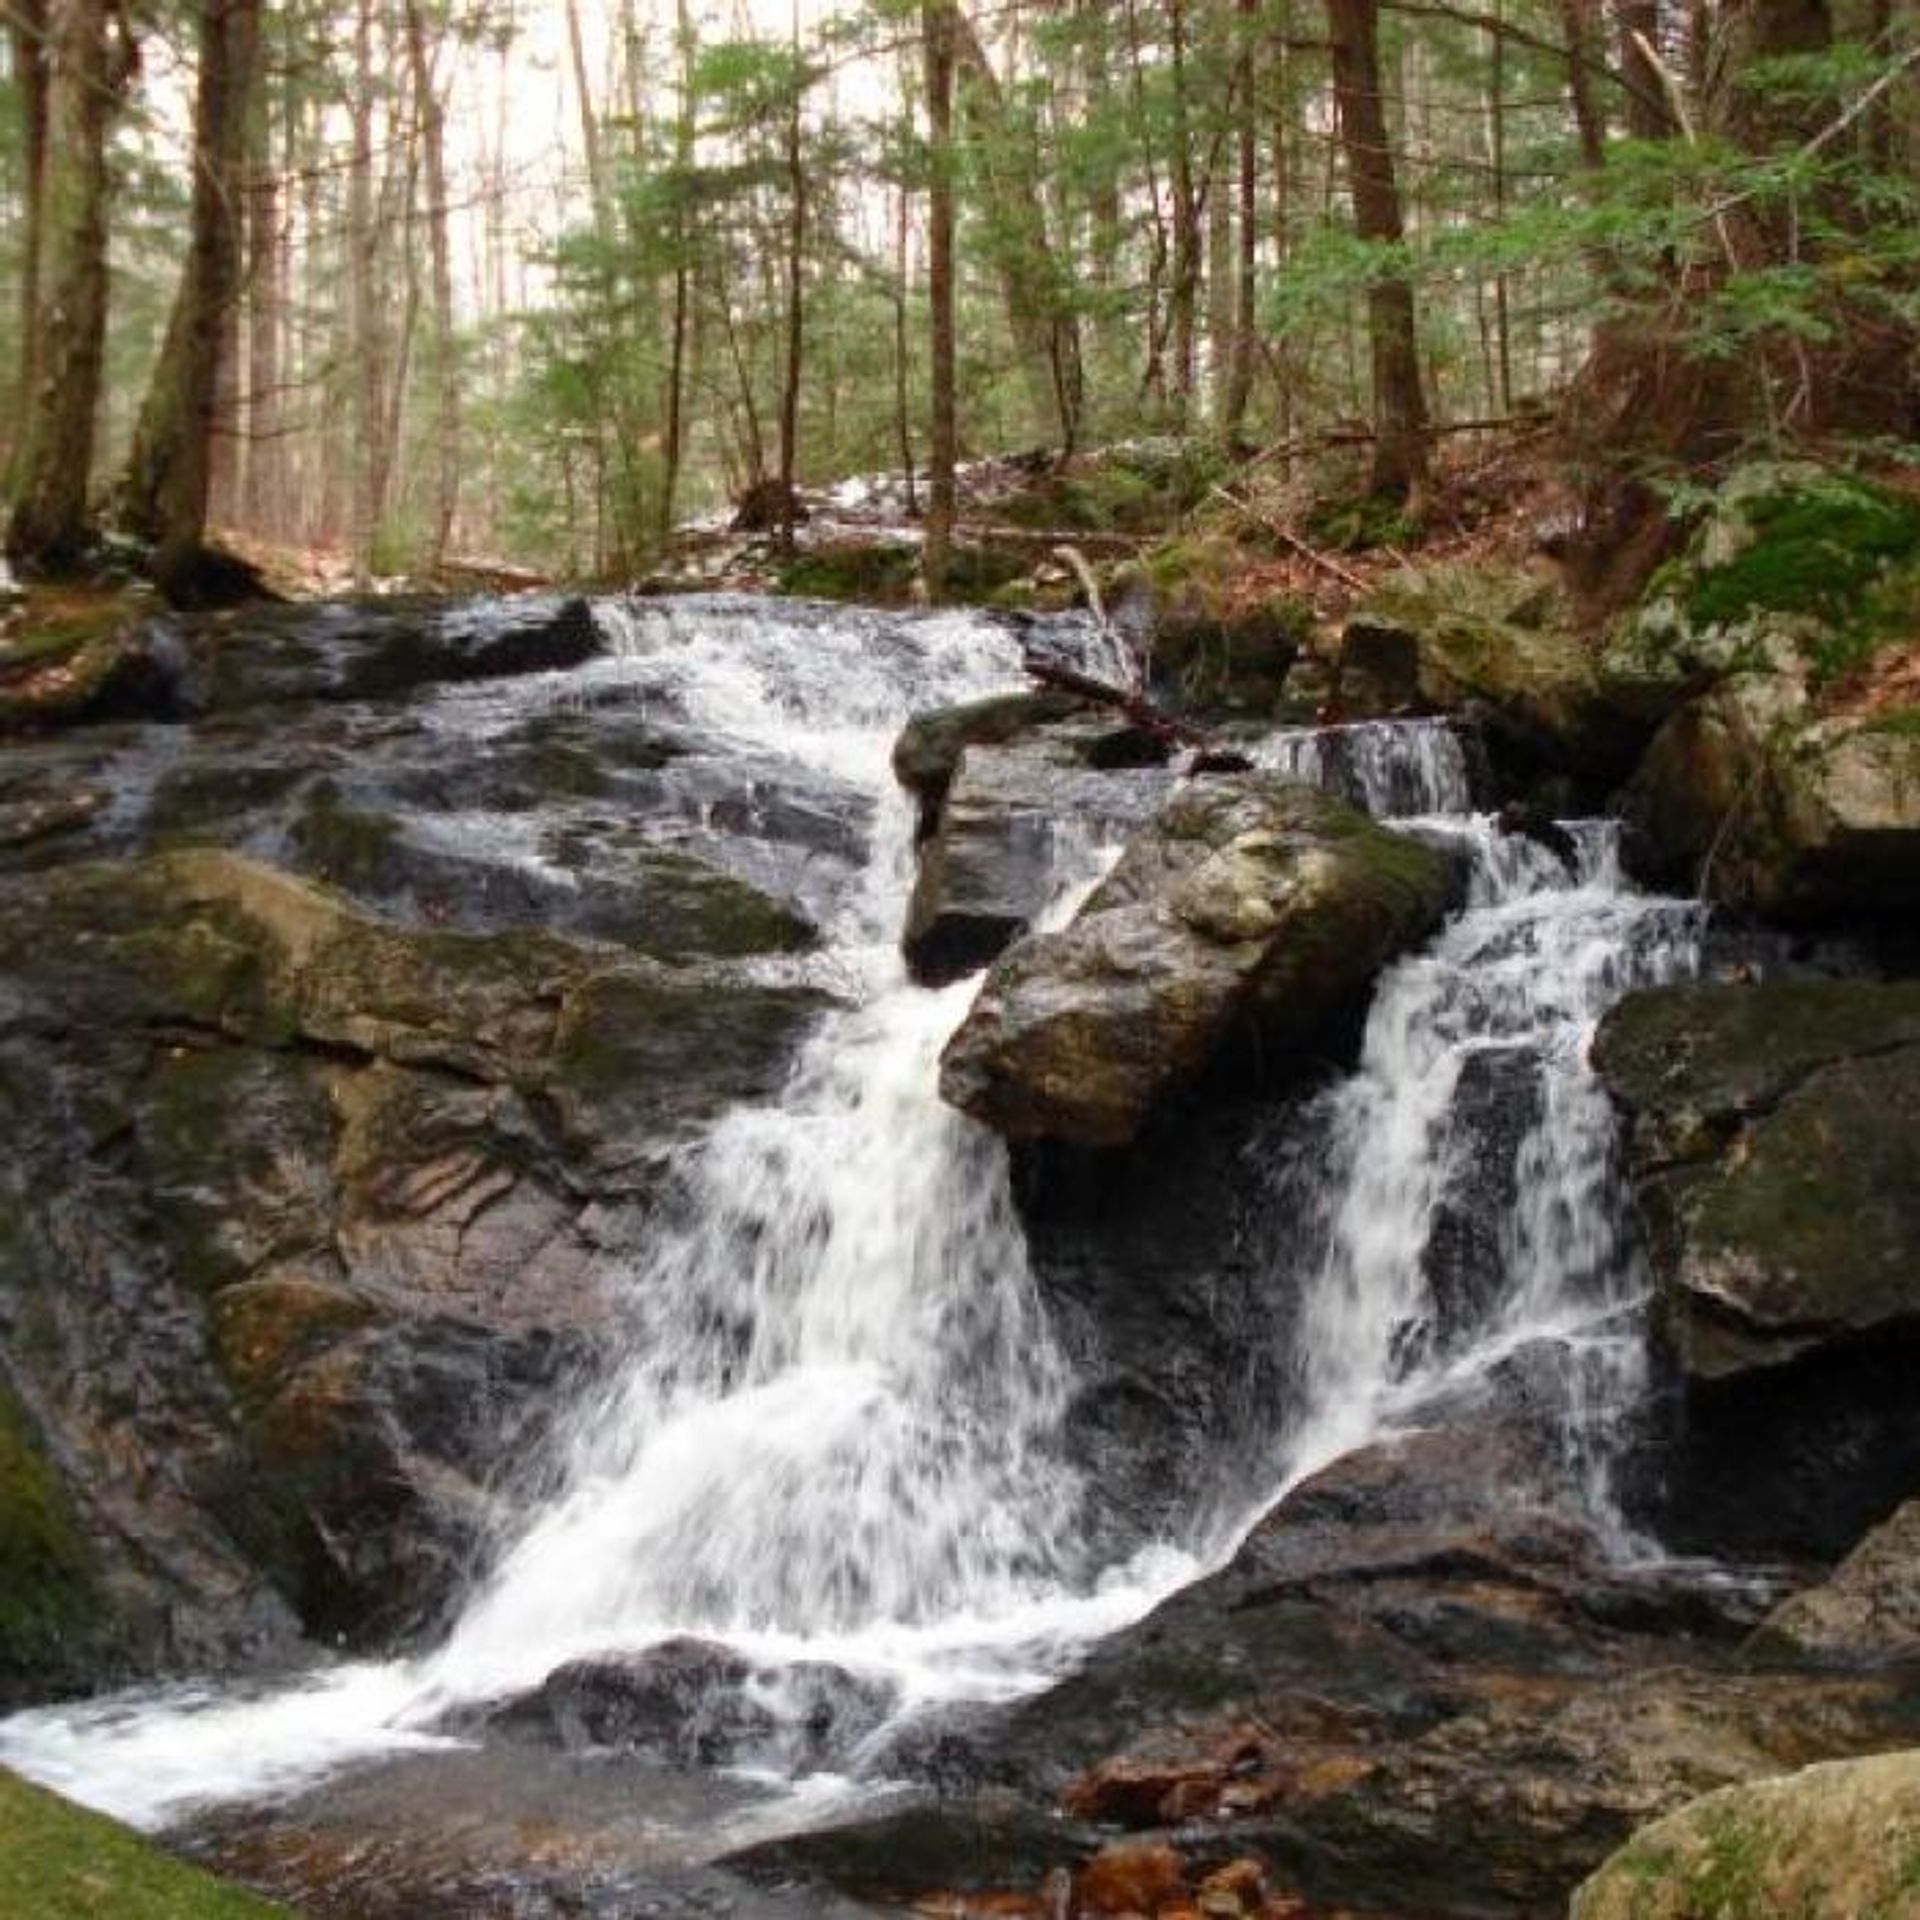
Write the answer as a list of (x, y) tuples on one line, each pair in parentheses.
[(1493, 1019), (1392, 768), (836, 1435)]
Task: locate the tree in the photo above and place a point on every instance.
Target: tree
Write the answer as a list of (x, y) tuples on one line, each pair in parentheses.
[(86, 73), (1399, 396), (939, 33), (164, 498)]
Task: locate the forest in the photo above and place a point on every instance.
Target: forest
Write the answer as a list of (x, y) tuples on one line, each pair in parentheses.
[(536, 286)]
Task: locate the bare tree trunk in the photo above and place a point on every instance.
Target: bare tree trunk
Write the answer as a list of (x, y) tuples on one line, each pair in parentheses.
[(170, 470), (1579, 22), (1399, 398), (1186, 222), (363, 370), (683, 134), (27, 43), (1239, 390), (260, 503), (446, 373), (48, 529), (938, 30), (902, 418), (796, 292)]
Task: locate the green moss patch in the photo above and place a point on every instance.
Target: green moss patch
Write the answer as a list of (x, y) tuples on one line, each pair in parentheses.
[(60, 1862), (48, 1606)]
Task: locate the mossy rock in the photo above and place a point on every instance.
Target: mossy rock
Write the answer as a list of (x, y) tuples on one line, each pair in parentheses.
[(75, 658), (50, 1611), (1797, 570), (59, 1861), (1216, 647), (1497, 639), (869, 573), (1839, 1839)]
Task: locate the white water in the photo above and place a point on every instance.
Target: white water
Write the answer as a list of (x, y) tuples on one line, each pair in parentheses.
[(838, 1436)]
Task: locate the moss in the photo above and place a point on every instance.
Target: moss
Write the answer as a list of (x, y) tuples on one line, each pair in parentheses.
[(49, 1610), (61, 1862), (1356, 523), (881, 574), (1903, 722)]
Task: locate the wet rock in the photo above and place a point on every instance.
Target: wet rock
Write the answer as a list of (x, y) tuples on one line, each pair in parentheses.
[(1842, 1838), (1130, 1876), (927, 753), (306, 1218), (1422, 1686), (1240, 931), (1776, 1141), (1498, 643), (1867, 1609), (1772, 1144), (369, 650), (993, 861), (695, 1703)]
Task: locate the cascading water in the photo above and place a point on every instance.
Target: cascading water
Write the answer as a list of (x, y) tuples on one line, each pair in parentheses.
[(838, 1434)]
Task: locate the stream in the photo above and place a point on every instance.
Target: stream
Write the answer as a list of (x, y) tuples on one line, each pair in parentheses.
[(834, 1449)]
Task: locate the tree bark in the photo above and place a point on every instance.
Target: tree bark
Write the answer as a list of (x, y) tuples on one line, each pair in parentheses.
[(796, 296), (169, 472), (1399, 397), (48, 528), (27, 42), (938, 23), (446, 374), (1239, 389)]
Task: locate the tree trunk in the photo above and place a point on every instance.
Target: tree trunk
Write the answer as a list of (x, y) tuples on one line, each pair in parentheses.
[(48, 529), (261, 498), (796, 301), (1246, 290), (1399, 398), (674, 439), (1649, 116), (938, 24), (1039, 300), (169, 473), (362, 360), (446, 374), (27, 43)]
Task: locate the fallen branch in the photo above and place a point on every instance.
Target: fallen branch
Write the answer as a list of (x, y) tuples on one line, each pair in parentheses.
[(1150, 719), (1345, 575)]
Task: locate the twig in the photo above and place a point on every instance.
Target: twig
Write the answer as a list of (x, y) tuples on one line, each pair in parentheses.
[(1345, 575)]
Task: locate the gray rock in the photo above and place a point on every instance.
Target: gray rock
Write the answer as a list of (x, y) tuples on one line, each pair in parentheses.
[(1243, 927)]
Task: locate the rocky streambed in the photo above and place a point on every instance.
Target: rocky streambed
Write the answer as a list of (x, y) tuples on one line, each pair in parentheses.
[(480, 1201)]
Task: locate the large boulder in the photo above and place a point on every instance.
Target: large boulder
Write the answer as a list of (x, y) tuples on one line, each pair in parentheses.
[(1241, 931), (1494, 641), (1794, 572), (1775, 1133), (304, 1220), (1745, 798), (1868, 1608), (1774, 1145), (1009, 808), (1837, 1839)]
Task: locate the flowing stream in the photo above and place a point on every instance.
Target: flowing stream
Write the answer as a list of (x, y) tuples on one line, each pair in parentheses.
[(838, 1436)]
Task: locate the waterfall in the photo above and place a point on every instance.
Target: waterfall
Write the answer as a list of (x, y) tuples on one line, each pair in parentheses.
[(836, 1434)]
